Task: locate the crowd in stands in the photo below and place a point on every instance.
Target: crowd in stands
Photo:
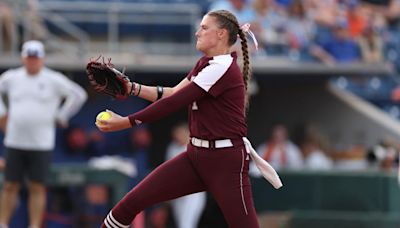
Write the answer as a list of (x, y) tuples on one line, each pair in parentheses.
[(312, 151), (330, 31)]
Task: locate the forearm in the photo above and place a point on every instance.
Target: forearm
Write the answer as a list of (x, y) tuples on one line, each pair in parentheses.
[(168, 105), (149, 92), (322, 55)]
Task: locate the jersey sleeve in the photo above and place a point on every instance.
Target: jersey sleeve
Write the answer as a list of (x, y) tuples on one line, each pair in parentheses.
[(211, 74)]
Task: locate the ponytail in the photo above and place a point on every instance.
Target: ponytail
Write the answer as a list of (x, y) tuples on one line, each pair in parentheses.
[(228, 21)]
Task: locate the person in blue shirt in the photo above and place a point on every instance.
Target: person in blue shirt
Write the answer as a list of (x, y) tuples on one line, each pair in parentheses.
[(339, 47)]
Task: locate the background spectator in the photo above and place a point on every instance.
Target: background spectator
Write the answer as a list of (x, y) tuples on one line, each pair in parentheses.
[(339, 48), (269, 27), (33, 91), (279, 151), (384, 155), (7, 25), (314, 148), (371, 45), (300, 31), (357, 18), (240, 8)]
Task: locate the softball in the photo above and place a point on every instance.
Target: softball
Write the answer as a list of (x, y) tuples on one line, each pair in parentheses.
[(103, 116)]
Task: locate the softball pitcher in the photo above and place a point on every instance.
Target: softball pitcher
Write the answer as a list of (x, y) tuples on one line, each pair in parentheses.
[(216, 159)]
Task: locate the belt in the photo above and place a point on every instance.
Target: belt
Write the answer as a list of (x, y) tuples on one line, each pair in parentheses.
[(222, 143)]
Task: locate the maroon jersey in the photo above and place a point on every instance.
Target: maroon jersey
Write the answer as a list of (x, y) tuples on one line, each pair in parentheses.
[(220, 114)]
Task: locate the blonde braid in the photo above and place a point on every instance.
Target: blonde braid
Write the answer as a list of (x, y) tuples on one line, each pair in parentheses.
[(228, 21), (246, 59), (246, 65)]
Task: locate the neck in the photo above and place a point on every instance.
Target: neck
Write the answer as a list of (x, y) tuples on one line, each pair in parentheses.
[(33, 73), (218, 51)]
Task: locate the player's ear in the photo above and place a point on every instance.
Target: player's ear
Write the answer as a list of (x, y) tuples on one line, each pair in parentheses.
[(222, 33)]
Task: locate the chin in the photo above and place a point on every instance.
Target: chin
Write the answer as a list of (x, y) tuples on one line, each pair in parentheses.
[(199, 48)]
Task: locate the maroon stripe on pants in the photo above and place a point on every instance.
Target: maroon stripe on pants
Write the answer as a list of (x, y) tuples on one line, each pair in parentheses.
[(222, 172)]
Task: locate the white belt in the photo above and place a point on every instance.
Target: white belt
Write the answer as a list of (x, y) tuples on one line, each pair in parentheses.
[(222, 143)]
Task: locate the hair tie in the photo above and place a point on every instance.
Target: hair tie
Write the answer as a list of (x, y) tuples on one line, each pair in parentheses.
[(246, 29)]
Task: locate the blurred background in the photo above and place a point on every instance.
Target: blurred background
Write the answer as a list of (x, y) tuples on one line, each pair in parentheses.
[(326, 87)]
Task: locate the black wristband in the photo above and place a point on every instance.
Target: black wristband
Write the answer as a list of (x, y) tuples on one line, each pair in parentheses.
[(132, 92), (138, 92), (160, 91)]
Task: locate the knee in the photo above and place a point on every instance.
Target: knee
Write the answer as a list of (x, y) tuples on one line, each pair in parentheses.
[(37, 188), (11, 187)]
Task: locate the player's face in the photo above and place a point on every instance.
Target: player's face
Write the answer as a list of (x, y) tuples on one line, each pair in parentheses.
[(33, 64), (208, 35)]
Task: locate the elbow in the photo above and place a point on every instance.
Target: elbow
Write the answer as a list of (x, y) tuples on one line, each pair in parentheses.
[(82, 96)]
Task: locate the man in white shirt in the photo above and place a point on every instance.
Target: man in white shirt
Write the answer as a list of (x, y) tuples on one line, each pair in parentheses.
[(38, 99)]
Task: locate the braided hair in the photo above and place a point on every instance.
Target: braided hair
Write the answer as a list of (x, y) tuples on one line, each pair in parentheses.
[(229, 22)]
